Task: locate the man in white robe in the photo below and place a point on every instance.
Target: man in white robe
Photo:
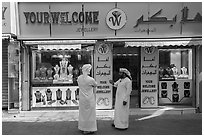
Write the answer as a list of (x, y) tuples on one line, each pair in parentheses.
[(87, 101), (124, 88)]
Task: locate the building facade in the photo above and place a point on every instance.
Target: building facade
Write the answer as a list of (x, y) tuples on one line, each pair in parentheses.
[(160, 44)]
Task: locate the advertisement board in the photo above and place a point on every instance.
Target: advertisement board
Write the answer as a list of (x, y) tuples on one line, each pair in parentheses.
[(103, 73), (149, 76)]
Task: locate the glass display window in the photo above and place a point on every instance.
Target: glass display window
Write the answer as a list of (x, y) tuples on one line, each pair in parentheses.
[(175, 64), (58, 65)]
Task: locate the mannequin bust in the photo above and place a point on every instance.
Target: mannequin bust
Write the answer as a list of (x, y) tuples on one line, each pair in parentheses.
[(63, 68), (56, 76), (49, 73), (37, 74), (184, 71), (175, 71), (70, 68), (56, 69), (43, 70), (70, 76), (63, 63)]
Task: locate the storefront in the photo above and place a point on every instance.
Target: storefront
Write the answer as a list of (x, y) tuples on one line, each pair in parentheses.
[(157, 42), (168, 72)]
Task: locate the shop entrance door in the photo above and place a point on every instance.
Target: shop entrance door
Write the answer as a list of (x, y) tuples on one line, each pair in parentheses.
[(127, 57)]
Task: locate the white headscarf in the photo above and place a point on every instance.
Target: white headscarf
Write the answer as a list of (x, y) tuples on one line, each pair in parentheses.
[(126, 72), (86, 67)]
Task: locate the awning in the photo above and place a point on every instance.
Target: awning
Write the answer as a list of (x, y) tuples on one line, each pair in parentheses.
[(58, 42), (60, 47), (9, 36), (164, 42)]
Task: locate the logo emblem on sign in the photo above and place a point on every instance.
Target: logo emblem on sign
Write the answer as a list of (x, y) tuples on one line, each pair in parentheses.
[(116, 19), (103, 48), (149, 50)]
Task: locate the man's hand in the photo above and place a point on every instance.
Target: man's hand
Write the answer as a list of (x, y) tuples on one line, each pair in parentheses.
[(124, 103), (111, 81)]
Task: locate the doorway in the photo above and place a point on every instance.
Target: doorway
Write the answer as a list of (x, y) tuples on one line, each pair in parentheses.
[(127, 57)]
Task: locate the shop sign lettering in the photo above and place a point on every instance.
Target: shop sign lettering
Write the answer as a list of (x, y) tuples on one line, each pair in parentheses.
[(103, 87), (156, 19), (146, 30), (103, 91), (3, 12), (6, 20), (149, 86), (103, 49), (62, 18), (103, 82), (91, 29), (3, 15), (149, 50), (149, 90)]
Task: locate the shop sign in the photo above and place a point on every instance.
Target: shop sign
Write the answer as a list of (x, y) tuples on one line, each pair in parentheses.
[(116, 19), (102, 74), (149, 76), (6, 21), (62, 18), (103, 20)]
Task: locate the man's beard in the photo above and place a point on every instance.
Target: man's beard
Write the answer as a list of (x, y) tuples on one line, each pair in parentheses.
[(122, 76)]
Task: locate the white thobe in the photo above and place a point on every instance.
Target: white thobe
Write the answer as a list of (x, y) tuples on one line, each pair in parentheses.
[(87, 104), (121, 114)]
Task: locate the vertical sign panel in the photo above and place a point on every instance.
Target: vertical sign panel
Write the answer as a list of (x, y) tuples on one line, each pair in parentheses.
[(103, 73), (149, 76)]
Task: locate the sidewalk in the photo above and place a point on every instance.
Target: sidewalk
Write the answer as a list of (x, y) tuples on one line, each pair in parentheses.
[(72, 115)]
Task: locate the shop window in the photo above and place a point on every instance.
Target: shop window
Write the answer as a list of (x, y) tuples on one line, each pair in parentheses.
[(175, 64), (175, 76), (58, 66)]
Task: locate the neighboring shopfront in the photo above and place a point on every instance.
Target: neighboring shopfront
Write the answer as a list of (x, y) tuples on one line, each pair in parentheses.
[(10, 59), (157, 42)]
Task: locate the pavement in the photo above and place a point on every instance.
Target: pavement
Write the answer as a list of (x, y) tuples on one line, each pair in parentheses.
[(72, 115), (161, 121)]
